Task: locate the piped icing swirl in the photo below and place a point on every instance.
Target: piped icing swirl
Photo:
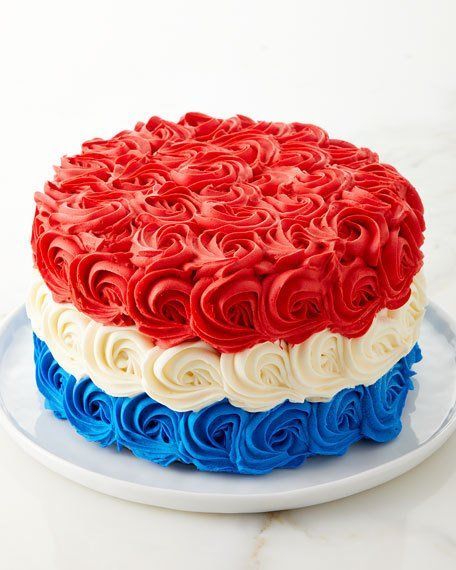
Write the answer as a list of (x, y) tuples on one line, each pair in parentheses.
[(124, 362), (235, 232)]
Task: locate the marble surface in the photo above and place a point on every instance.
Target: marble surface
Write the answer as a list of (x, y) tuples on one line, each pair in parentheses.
[(383, 79)]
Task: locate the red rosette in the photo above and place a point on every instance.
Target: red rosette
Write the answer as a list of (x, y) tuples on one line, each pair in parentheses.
[(170, 204), (294, 301), (215, 167), (238, 194), (179, 154), (355, 298), (363, 231), (277, 180), (159, 132), (84, 213), (95, 165), (291, 243), (54, 253), (124, 143), (307, 133), (255, 148), (386, 184), (285, 239), (224, 251), (302, 208), (158, 300), (401, 258), (99, 286), (205, 128), (163, 246), (279, 131), (140, 175), (225, 311), (294, 131), (329, 183), (305, 156), (349, 155)]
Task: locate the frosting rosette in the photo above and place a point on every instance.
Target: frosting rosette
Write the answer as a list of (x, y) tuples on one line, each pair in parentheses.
[(259, 378), (184, 377), (65, 327), (51, 379), (382, 405), (233, 232), (113, 358), (224, 438), (279, 439), (211, 438), (318, 364), (336, 424), (148, 429), (90, 411)]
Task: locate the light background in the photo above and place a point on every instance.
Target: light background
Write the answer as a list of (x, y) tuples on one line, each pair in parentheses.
[(380, 74)]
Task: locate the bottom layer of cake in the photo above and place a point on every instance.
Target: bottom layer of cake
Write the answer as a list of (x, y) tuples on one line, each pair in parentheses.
[(222, 437)]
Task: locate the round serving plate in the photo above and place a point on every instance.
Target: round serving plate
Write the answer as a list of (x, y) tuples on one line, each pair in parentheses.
[(429, 419)]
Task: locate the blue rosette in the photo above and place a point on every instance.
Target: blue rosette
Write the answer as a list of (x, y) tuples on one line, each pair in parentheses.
[(211, 438), (148, 429), (90, 411), (335, 425), (384, 401), (51, 379), (273, 439)]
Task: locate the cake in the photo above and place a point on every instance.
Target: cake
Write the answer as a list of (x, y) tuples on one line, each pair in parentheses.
[(234, 295)]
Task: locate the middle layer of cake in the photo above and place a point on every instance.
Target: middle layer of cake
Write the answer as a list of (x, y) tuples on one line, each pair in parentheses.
[(190, 376)]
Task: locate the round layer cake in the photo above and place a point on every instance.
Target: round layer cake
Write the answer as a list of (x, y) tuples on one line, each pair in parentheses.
[(231, 294)]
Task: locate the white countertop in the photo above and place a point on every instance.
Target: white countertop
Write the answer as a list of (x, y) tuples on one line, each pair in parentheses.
[(383, 78)]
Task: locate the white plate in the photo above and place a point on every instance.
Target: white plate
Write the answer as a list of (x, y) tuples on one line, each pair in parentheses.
[(429, 419)]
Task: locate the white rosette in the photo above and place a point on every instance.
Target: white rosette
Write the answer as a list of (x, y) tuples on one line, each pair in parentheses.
[(64, 329), (318, 365), (370, 356), (259, 378), (38, 298), (410, 315), (114, 358), (184, 377)]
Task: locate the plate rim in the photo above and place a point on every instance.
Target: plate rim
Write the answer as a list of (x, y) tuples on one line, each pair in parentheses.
[(195, 501)]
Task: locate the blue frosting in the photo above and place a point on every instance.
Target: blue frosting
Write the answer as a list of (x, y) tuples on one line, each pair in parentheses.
[(223, 437), (336, 424), (383, 403), (90, 411), (148, 428), (51, 379)]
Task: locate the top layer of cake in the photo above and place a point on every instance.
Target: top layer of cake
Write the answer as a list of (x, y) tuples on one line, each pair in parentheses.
[(233, 231)]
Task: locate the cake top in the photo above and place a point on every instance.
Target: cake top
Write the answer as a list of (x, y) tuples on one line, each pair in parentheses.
[(231, 231)]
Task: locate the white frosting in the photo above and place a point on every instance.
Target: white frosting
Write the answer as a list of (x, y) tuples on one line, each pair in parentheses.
[(114, 358), (185, 377), (123, 362), (260, 377), (39, 297), (64, 329), (318, 365)]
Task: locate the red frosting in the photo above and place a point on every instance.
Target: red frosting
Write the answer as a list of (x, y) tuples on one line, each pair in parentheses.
[(232, 231)]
